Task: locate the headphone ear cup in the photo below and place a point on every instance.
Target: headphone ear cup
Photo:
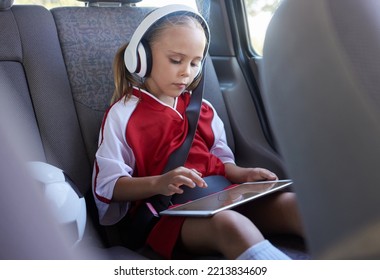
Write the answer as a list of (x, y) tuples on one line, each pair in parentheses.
[(144, 59)]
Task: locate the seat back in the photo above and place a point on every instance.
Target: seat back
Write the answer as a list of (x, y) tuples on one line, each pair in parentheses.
[(325, 114), (39, 121), (90, 37), (32, 60), (27, 49), (15, 96)]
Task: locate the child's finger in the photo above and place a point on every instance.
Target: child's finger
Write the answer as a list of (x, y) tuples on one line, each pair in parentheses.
[(197, 172), (197, 178), (189, 177), (268, 174)]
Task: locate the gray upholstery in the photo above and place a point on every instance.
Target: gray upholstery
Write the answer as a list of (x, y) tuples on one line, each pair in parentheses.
[(39, 122), (321, 85), (14, 93), (28, 230), (6, 4), (50, 93), (109, 3), (90, 38)]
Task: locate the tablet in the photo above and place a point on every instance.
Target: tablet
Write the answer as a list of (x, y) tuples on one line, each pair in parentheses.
[(226, 199)]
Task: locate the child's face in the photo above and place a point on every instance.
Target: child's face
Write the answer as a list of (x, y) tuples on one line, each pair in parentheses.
[(176, 58)]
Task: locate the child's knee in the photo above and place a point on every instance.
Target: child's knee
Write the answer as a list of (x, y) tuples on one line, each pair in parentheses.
[(287, 199), (229, 220), (231, 226)]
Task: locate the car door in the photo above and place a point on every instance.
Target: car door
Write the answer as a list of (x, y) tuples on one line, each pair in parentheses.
[(237, 66)]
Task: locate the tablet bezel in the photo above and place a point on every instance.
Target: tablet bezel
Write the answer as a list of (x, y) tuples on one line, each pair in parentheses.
[(180, 211)]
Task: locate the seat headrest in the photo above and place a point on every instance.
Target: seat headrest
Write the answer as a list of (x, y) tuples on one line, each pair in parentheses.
[(108, 2), (5, 4)]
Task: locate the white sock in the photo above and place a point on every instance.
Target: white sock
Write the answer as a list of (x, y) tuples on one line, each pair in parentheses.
[(263, 250)]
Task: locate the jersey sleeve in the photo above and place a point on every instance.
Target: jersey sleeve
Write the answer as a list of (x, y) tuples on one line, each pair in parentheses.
[(113, 159), (220, 147)]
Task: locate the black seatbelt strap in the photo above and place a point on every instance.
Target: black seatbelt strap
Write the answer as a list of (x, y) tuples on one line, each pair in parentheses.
[(179, 156)]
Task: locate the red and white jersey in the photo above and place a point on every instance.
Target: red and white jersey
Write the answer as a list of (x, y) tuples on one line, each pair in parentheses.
[(138, 135)]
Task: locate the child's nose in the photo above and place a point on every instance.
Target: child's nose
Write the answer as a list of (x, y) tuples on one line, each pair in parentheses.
[(186, 70)]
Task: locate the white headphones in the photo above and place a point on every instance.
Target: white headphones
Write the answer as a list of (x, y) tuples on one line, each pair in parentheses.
[(137, 56)]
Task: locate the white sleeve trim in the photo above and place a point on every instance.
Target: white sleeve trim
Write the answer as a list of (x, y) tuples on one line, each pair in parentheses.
[(220, 147), (115, 159)]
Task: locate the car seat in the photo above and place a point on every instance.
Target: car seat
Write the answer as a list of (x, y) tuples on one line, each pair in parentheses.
[(36, 102), (89, 37), (320, 80), (62, 77)]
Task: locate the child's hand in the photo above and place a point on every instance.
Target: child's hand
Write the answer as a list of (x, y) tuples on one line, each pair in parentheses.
[(237, 174), (260, 174), (170, 182)]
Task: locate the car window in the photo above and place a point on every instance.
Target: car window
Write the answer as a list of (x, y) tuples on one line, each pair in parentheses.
[(259, 14), (61, 3)]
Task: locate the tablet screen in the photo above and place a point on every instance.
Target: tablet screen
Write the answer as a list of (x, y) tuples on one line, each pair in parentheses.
[(211, 204)]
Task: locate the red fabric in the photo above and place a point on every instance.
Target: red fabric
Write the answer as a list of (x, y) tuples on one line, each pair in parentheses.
[(165, 234), (154, 131)]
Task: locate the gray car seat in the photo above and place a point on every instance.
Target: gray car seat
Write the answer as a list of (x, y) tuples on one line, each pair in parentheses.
[(63, 78), (321, 87), (36, 101), (89, 47)]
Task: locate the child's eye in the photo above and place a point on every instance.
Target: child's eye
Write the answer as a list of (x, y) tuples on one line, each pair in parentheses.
[(175, 61)]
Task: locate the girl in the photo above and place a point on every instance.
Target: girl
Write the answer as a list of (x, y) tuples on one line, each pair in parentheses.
[(147, 122)]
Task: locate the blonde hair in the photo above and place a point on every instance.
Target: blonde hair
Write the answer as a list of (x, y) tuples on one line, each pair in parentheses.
[(124, 80)]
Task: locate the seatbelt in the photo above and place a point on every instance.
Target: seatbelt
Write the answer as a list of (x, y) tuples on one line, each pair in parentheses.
[(179, 156)]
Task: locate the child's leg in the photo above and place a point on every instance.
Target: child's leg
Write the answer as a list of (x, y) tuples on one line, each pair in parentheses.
[(229, 233), (277, 213)]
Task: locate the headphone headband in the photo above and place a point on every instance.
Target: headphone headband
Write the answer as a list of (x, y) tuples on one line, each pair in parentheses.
[(135, 48)]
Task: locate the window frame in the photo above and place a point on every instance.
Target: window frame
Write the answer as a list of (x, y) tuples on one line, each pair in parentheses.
[(249, 61)]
